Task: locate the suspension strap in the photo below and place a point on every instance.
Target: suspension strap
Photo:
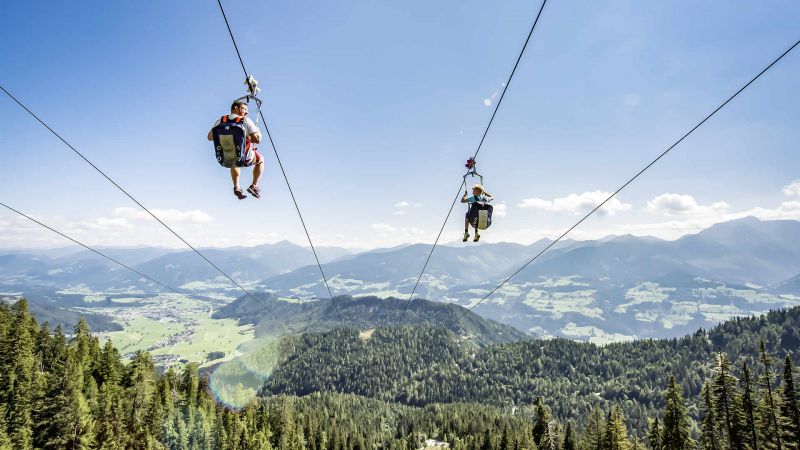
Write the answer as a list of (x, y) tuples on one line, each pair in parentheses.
[(472, 170), (252, 92)]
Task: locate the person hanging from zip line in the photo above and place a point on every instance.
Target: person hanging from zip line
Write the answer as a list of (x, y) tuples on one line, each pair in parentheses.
[(244, 154), (479, 197)]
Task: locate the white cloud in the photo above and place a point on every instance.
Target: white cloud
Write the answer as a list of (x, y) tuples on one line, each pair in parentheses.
[(391, 235), (578, 203), (123, 226), (167, 215), (683, 225), (500, 210), (20, 232), (383, 228), (104, 223), (792, 188), (786, 210), (681, 205), (404, 205), (535, 203)]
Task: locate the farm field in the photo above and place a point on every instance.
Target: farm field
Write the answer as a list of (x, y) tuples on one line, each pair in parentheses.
[(175, 329)]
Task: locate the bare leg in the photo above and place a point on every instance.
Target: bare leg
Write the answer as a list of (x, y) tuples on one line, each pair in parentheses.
[(258, 169), (466, 225), (235, 176)]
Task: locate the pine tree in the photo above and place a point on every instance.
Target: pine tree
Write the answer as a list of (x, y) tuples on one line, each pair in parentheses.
[(109, 369), (654, 435), (677, 432), (286, 433), (767, 438), (616, 437), (710, 437), (552, 439), (728, 403), (44, 347), (261, 441), (189, 384), (175, 434), (220, 432), (789, 408), (749, 408), (594, 435), (506, 442), (201, 438), (110, 427), (5, 441), (65, 421), (166, 394), (17, 366), (140, 388), (569, 438), (541, 422), (637, 444), (769, 409), (155, 415), (82, 343), (321, 438), (488, 440)]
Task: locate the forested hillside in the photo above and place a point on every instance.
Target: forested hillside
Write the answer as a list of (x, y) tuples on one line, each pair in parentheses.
[(277, 317), (421, 365), (74, 393)]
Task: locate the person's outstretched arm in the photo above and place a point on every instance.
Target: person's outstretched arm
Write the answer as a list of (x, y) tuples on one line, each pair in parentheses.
[(253, 133)]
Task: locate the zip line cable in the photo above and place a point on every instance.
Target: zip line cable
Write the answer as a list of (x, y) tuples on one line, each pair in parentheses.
[(480, 145), (93, 250), (283, 172), (115, 261), (127, 194), (631, 180)]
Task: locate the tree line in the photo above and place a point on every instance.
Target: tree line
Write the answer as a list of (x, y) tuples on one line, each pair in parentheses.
[(439, 367), (72, 392)]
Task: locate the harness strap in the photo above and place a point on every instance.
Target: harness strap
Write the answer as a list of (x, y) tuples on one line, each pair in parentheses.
[(224, 119)]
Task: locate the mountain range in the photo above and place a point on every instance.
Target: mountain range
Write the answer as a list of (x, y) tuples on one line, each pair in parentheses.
[(612, 289)]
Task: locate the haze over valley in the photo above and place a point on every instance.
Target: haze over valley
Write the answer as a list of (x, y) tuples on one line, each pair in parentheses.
[(614, 289)]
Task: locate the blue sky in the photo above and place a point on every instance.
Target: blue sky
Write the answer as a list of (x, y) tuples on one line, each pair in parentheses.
[(374, 107)]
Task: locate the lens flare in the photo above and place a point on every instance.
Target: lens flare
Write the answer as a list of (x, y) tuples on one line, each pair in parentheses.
[(236, 383)]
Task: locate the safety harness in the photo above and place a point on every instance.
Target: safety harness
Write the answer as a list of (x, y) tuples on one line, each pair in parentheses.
[(231, 144), (479, 214)]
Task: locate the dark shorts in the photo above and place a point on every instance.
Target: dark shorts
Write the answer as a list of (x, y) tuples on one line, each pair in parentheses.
[(469, 210)]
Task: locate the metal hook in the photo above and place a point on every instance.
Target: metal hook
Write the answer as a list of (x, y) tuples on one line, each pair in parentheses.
[(252, 85)]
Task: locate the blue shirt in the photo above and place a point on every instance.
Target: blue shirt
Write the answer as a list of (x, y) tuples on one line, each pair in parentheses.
[(477, 198)]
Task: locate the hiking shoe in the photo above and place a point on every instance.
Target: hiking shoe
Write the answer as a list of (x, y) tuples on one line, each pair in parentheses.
[(466, 236), (477, 237), (254, 191), (237, 191)]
